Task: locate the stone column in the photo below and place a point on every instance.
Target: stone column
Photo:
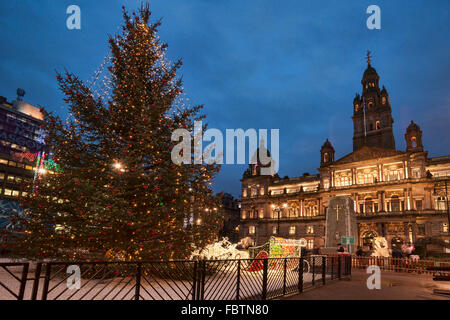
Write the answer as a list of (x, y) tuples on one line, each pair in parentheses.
[(380, 199), (405, 200), (427, 203), (331, 178)]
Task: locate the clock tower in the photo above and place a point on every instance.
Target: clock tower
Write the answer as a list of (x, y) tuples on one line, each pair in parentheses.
[(372, 114)]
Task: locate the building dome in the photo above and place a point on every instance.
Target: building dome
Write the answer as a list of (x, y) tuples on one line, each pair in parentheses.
[(327, 145), (370, 71), (413, 127)]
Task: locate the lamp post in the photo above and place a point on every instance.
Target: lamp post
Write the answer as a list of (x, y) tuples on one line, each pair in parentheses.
[(277, 208)]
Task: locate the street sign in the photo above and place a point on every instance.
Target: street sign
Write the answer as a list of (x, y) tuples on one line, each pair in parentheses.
[(348, 240)]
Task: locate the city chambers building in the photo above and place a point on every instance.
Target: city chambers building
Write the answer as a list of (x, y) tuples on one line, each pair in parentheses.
[(397, 194)]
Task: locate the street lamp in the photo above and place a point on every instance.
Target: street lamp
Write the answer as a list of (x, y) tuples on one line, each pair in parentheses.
[(278, 208), (118, 166)]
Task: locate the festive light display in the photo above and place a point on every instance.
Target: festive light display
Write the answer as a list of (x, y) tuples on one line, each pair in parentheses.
[(279, 248), (136, 210), (222, 249)]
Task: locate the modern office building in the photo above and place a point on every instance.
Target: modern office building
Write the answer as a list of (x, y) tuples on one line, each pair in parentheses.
[(21, 151)]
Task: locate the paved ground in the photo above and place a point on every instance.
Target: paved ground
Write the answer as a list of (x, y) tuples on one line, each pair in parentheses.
[(394, 286)]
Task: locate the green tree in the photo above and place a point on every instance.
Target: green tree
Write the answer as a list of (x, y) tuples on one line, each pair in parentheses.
[(119, 196)]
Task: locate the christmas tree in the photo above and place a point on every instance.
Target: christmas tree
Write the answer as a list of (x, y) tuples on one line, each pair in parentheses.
[(118, 195)]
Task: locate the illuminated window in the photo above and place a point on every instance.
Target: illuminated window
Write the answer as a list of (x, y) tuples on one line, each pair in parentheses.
[(413, 142), (440, 203), (243, 215), (261, 213), (377, 125), (292, 230), (310, 229), (445, 227), (244, 192), (251, 230), (293, 211), (15, 193), (261, 191), (274, 230), (2, 175), (3, 161), (8, 192), (254, 172), (310, 244)]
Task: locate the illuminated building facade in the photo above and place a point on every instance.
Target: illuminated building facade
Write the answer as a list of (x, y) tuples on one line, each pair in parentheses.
[(400, 195), (21, 146)]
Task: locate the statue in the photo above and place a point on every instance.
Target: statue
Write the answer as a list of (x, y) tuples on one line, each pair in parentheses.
[(380, 247)]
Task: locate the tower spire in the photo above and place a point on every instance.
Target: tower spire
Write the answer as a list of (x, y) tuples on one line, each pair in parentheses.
[(368, 57)]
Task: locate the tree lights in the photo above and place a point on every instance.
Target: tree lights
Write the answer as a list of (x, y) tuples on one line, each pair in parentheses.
[(134, 208)]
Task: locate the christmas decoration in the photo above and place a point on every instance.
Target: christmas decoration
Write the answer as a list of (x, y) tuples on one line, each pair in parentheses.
[(113, 192), (219, 250)]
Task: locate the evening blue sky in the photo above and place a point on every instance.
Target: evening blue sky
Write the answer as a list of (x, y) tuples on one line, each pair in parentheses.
[(292, 65)]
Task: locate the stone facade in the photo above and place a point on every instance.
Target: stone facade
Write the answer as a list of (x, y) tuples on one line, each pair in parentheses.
[(400, 195)]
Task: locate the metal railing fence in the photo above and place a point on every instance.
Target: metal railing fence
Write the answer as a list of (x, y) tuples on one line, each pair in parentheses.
[(233, 279), (399, 264)]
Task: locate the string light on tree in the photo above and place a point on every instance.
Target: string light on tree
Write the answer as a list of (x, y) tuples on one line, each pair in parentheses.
[(102, 213)]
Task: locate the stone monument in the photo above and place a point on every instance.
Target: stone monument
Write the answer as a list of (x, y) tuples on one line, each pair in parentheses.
[(340, 222)]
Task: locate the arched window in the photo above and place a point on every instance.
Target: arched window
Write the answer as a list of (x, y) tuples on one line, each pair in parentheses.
[(413, 142), (310, 209), (261, 213), (325, 157), (254, 169), (377, 125), (253, 213), (293, 211)]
